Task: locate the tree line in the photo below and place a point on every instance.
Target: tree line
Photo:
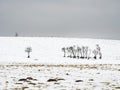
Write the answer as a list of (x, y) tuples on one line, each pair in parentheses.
[(83, 52)]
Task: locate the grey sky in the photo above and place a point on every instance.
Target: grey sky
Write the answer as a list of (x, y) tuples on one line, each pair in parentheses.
[(69, 18)]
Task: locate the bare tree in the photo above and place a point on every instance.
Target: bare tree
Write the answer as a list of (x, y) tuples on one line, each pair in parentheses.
[(95, 52), (28, 50), (72, 48), (69, 52), (99, 51), (64, 50), (16, 34), (83, 52), (78, 52)]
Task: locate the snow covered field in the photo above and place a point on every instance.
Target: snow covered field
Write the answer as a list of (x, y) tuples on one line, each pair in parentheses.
[(47, 69), (60, 77), (48, 50)]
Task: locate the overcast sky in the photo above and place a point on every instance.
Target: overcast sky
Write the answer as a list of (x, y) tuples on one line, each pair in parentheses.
[(68, 18)]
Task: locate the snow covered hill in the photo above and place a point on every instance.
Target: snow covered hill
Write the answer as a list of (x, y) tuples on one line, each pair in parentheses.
[(47, 50)]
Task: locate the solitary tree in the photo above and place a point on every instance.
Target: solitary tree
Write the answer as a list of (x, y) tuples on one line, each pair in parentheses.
[(16, 34), (28, 50)]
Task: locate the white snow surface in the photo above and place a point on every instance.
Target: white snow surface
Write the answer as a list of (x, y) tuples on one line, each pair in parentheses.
[(47, 50)]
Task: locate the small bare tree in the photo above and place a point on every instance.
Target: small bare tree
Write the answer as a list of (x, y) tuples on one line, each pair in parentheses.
[(95, 52), (16, 34), (28, 50), (64, 50), (99, 51)]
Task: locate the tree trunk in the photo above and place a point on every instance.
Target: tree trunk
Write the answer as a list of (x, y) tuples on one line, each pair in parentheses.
[(28, 54)]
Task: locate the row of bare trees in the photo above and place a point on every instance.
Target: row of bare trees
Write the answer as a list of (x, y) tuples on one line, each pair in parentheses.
[(83, 52)]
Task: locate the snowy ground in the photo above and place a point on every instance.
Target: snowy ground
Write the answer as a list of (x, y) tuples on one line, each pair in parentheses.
[(48, 50), (47, 69), (60, 77)]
